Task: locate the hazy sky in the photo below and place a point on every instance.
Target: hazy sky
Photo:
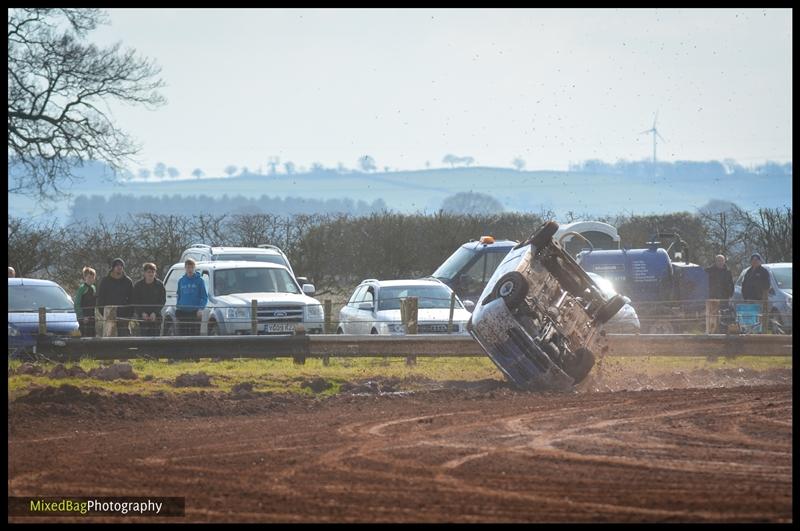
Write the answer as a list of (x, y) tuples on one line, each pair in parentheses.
[(409, 86)]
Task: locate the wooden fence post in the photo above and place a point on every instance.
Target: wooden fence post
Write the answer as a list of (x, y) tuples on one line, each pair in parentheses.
[(712, 316), (254, 317), (42, 320), (452, 309), (765, 316), (328, 308), (412, 312)]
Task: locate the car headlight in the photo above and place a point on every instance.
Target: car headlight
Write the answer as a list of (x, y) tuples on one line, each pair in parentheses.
[(12, 330), (395, 328), (237, 313), (314, 313)]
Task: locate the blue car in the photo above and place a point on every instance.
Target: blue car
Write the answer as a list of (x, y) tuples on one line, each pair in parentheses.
[(25, 297)]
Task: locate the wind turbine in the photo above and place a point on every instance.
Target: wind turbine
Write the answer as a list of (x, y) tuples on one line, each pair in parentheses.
[(656, 134)]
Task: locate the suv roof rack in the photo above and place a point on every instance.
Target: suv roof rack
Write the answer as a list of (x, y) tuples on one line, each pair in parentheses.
[(199, 245), (370, 280), (269, 246)]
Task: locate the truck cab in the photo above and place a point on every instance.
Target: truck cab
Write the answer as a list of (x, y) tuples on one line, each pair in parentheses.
[(468, 269)]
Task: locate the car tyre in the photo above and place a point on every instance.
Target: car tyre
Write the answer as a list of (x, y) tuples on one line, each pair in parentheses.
[(544, 235), (610, 309), (512, 287), (579, 366)]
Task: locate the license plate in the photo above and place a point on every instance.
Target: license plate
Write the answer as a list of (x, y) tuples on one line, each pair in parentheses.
[(279, 327)]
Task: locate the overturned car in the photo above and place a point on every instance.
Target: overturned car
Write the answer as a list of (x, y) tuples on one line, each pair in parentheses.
[(539, 316)]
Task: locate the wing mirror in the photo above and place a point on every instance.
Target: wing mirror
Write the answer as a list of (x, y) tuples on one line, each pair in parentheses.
[(368, 306), (309, 289), (469, 305)]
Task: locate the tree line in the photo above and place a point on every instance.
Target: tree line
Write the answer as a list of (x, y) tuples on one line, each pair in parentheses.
[(336, 251)]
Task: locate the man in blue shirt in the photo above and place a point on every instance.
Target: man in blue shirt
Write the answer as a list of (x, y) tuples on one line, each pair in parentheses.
[(192, 298)]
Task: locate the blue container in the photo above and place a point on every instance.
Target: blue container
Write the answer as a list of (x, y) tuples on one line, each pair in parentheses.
[(641, 274)]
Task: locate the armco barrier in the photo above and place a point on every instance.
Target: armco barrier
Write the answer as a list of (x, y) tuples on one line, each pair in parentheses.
[(300, 347)]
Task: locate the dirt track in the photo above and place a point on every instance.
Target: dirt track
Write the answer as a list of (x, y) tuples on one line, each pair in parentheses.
[(469, 455)]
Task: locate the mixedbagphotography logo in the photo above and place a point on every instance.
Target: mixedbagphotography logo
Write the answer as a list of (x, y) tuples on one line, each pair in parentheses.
[(96, 506)]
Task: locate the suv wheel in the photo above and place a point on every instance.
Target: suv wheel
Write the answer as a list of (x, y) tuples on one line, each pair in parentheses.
[(579, 364), (610, 309), (544, 235), (169, 328), (512, 287), (213, 328)]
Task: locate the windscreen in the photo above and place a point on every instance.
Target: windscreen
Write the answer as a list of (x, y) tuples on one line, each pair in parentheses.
[(427, 297), (253, 280), (451, 267), (783, 276), (31, 298)]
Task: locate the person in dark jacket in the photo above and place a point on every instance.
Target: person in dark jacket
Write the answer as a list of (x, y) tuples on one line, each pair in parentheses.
[(85, 301), (192, 299), (720, 279), (116, 289), (149, 297), (755, 285)]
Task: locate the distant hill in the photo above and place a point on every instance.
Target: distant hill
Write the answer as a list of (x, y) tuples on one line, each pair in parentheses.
[(581, 192)]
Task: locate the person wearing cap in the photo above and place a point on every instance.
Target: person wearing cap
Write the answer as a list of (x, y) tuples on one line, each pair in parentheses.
[(116, 289), (755, 286)]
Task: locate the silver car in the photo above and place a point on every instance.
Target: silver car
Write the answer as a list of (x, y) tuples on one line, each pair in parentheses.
[(374, 308)]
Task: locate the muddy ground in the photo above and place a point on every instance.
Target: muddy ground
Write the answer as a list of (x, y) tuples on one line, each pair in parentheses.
[(642, 451)]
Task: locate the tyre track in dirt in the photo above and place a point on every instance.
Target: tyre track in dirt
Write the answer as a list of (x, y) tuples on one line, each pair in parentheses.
[(470, 456)]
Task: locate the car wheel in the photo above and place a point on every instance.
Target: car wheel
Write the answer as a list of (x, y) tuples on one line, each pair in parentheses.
[(339, 330), (610, 309), (213, 328), (374, 332), (580, 364), (512, 287), (545, 234)]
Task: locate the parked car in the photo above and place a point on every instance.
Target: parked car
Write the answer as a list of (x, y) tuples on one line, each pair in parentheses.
[(282, 303), (374, 308), (25, 297), (625, 321), (780, 295), (201, 252), (539, 317)]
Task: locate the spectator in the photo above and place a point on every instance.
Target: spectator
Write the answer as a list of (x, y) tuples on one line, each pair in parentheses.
[(11, 272), (720, 279), (148, 300), (85, 301), (116, 289), (755, 286), (192, 298)]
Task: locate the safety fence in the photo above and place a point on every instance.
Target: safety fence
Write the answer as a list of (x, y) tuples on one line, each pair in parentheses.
[(302, 346), (441, 316)]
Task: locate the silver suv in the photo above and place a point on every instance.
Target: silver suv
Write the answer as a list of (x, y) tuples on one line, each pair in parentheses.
[(282, 303), (202, 252)]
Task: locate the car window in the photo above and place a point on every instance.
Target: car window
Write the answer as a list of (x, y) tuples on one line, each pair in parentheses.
[(253, 280), (369, 295), (474, 277), (493, 262), (454, 264), (783, 276), (356, 294), (427, 297), (31, 298)]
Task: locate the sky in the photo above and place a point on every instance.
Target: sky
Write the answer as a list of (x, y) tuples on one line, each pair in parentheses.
[(408, 86)]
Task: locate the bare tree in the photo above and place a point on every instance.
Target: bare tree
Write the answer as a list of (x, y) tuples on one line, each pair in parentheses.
[(367, 163), (518, 163), (230, 170), (160, 170), (198, 173), (173, 172), (58, 86), (289, 167)]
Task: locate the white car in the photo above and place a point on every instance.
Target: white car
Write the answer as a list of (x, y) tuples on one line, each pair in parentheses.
[(201, 252), (374, 308), (281, 303), (625, 321)]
